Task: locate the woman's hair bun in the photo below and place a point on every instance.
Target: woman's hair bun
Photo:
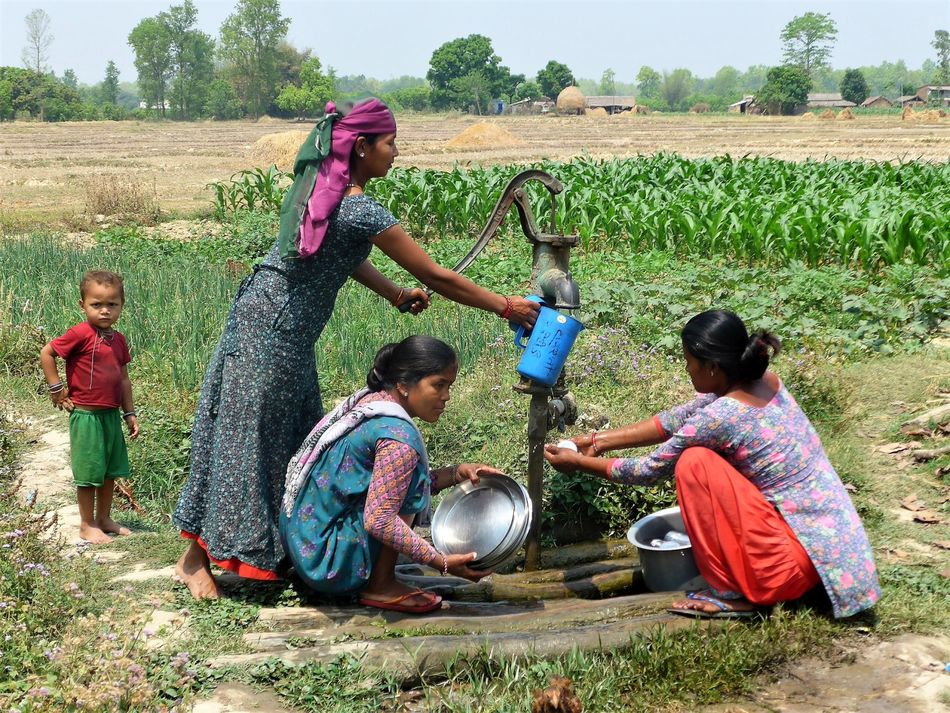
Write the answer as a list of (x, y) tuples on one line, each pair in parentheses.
[(378, 378)]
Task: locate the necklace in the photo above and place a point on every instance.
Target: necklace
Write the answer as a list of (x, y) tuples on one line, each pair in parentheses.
[(354, 185)]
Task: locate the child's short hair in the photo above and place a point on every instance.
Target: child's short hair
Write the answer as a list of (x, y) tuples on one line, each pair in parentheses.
[(102, 277)]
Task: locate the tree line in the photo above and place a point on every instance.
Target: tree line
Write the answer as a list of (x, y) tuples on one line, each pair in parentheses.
[(251, 69)]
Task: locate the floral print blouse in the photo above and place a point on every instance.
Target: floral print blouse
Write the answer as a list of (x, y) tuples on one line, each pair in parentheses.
[(778, 450)]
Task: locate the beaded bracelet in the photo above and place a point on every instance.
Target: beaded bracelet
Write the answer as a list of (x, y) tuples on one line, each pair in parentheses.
[(506, 312)]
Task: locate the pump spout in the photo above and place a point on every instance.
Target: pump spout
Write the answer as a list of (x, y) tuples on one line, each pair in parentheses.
[(559, 289)]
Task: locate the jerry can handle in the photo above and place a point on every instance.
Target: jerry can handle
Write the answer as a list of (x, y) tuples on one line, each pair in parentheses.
[(520, 335)]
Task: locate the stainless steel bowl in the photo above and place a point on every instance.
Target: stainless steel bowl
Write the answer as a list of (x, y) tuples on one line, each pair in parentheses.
[(516, 534), (491, 519)]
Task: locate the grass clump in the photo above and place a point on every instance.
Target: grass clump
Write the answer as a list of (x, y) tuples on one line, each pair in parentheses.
[(123, 198)]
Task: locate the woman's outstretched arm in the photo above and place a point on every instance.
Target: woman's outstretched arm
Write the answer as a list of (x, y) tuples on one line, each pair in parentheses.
[(397, 244)]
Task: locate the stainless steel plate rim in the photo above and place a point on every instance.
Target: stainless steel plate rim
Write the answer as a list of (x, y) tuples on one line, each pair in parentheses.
[(441, 521)]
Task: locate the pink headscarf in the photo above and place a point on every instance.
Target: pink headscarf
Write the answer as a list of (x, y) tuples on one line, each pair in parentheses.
[(369, 117)]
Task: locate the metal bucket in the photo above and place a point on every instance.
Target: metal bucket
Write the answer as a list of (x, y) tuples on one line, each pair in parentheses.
[(665, 569)]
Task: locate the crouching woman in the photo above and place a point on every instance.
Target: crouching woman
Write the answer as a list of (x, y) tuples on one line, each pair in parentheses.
[(362, 476), (768, 517)]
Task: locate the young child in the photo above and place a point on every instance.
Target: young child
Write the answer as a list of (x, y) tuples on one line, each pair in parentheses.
[(98, 386)]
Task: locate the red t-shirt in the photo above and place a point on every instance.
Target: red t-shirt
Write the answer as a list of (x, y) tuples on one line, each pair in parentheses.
[(93, 365)]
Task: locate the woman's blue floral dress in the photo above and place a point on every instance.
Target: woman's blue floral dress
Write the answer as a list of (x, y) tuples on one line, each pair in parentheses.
[(261, 397), (325, 534)]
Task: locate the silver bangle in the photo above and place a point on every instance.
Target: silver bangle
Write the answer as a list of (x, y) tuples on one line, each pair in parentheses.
[(53, 388), (126, 414)]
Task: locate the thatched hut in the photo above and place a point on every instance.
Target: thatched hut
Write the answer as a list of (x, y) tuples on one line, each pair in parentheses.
[(571, 101)]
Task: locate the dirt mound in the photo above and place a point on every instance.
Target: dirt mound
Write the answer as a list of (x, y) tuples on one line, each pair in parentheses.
[(846, 114), (280, 149), (483, 135), (808, 116), (827, 114), (598, 112)]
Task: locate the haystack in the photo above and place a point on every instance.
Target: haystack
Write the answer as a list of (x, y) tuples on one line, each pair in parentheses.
[(598, 112), (571, 100), (931, 115), (808, 116), (827, 114), (846, 114), (280, 149), (483, 135), (265, 119), (907, 114)]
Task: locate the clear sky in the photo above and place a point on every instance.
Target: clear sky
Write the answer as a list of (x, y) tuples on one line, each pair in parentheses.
[(395, 37)]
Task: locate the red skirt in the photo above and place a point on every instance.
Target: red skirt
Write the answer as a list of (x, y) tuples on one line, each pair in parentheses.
[(741, 543), (233, 564)]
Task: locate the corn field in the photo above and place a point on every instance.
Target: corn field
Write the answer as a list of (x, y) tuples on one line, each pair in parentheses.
[(757, 210)]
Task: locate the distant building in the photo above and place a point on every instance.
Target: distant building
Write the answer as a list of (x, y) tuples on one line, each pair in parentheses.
[(146, 105), (877, 102), (541, 105), (743, 105), (613, 104), (827, 101), (911, 100), (935, 93)]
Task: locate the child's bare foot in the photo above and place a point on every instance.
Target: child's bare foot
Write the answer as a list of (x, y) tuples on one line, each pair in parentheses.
[(93, 534), (194, 571), (111, 526)]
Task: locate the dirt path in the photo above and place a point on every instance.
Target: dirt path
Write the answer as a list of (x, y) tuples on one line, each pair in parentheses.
[(903, 674)]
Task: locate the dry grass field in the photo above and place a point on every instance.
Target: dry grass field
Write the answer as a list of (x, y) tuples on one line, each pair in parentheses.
[(45, 168)]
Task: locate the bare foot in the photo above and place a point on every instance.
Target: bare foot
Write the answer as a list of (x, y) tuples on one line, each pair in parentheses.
[(93, 534), (194, 571), (110, 525), (706, 601)]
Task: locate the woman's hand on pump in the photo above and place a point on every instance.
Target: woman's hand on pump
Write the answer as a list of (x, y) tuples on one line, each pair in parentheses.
[(413, 300)]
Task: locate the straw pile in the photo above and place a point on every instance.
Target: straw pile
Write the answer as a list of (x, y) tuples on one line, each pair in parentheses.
[(483, 135), (846, 114), (827, 114), (265, 119), (928, 116), (571, 99), (280, 149), (598, 112), (808, 116)]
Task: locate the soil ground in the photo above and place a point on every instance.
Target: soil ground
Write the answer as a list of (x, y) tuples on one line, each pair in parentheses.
[(44, 168)]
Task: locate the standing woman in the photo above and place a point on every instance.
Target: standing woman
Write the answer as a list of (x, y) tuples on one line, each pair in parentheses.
[(260, 395)]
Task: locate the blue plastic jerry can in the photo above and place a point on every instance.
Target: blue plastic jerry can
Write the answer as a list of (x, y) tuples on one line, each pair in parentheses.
[(549, 344)]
